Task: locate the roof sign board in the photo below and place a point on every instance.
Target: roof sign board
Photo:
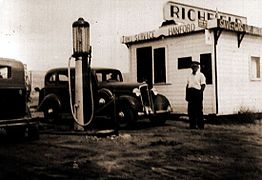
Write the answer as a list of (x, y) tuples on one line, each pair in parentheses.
[(182, 13), (193, 19)]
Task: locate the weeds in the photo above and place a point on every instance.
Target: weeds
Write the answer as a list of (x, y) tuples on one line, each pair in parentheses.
[(243, 116)]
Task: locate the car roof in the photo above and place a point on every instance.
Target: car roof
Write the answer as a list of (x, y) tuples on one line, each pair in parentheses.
[(97, 69), (17, 70), (11, 62)]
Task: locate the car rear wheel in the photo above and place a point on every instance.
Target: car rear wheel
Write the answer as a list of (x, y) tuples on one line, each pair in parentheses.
[(126, 117)]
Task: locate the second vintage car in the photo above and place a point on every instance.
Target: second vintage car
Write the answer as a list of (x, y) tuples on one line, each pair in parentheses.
[(133, 100), (15, 116)]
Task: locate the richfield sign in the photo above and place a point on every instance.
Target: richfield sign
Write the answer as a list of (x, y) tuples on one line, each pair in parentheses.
[(190, 19), (190, 14)]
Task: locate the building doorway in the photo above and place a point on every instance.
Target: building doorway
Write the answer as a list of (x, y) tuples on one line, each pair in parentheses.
[(144, 64)]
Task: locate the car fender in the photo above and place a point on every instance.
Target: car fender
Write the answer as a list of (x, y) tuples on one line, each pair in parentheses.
[(50, 98), (161, 102), (131, 101)]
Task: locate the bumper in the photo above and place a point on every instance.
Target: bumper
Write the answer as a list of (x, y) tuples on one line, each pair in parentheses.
[(25, 121), (153, 114)]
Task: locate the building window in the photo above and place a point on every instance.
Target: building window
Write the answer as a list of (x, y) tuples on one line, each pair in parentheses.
[(5, 72), (159, 65), (255, 68), (206, 66), (144, 64), (184, 62)]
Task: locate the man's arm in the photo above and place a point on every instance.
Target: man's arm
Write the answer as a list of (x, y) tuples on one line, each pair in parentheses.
[(203, 86), (186, 92), (203, 82)]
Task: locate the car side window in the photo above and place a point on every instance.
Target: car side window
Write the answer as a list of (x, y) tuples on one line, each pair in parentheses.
[(5, 72), (52, 78), (62, 78), (113, 76), (99, 77)]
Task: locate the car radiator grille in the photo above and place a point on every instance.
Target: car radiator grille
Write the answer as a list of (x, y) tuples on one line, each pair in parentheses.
[(146, 99)]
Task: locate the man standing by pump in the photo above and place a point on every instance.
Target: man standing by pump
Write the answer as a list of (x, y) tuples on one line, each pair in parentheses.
[(196, 84)]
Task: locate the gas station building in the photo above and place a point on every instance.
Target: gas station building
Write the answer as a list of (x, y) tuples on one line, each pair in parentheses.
[(228, 49)]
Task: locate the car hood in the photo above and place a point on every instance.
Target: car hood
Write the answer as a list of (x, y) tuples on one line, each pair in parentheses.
[(119, 85)]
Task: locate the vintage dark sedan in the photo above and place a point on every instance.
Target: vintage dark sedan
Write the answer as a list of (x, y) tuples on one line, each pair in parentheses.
[(15, 115), (133, 100)]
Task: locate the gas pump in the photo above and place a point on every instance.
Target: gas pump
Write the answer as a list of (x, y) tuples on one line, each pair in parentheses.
[(83, 109)]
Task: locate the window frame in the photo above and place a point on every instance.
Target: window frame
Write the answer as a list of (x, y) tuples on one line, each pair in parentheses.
[(186, 65), (165, 65), (257, 68), (147, 61), (208, 74)]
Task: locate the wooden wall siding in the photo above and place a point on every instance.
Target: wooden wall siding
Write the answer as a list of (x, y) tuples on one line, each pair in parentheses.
[(235, 89)]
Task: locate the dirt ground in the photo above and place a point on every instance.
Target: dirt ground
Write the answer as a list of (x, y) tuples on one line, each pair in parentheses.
[(225, 151)]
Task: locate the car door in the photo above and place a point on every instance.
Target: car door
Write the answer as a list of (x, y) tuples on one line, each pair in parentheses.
[(57, 84)]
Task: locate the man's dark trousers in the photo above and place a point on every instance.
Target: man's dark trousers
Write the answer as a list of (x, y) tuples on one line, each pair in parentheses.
[(195, 108)]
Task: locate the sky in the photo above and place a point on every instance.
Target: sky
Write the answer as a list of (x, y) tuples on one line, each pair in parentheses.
[(39, 32)]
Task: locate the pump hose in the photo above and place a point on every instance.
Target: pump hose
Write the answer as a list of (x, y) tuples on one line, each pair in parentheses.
[(70, 96)]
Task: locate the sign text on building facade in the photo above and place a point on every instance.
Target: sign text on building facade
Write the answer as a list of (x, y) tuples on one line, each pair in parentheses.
[(239, 27), (165, 31), (188, 14)]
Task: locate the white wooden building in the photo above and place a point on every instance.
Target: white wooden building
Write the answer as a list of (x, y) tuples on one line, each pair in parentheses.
[(228, 49)]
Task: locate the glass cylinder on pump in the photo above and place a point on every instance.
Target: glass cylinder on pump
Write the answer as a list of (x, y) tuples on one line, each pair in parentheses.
[(81, 38)]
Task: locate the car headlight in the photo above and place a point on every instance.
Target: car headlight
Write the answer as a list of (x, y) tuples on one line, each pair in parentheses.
[(136, 91), (154, 91), (102, 101)]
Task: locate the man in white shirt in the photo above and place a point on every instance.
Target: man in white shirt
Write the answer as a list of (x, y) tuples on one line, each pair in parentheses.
[(196, 84)]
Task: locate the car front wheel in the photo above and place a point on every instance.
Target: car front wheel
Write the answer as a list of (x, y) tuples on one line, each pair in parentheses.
[(126, 117)]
